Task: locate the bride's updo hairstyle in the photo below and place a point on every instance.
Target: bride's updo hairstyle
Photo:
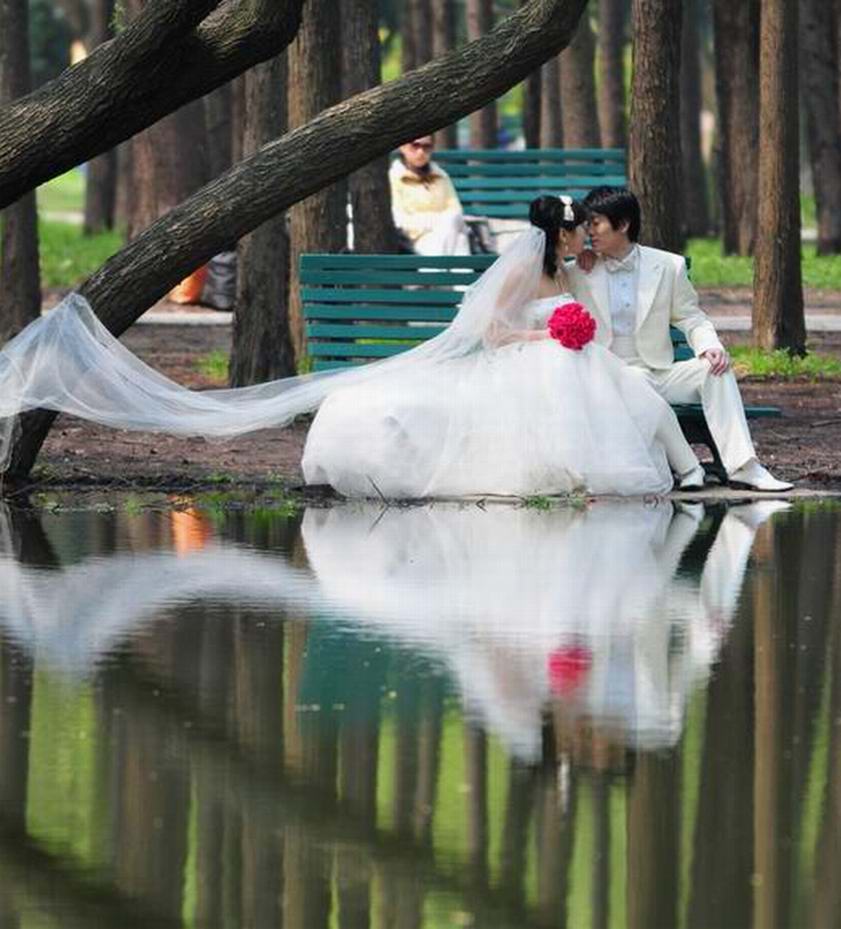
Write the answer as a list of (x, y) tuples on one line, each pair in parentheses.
[(553, 214)]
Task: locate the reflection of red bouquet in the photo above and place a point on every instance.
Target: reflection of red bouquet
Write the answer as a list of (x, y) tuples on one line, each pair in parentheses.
[(568, 668), (572, 326)]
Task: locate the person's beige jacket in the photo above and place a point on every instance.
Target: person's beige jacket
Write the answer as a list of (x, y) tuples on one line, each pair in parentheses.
[(665, 298)]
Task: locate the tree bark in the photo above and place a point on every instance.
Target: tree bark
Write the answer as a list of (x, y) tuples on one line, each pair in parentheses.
[(819, 62), (695, 210), (164, 59), (736, 29), (219, 128), (302, 162), (319, 223), (370, 195), (654, 126), (551, 116), (778, 320), (578, 88), (611, 58), (262, 349), (483, 123), (443, 41), (417, 32), (101, 180), (20, 294), (532, 104)]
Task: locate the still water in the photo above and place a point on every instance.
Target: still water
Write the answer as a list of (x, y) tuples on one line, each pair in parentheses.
[(623, 715)]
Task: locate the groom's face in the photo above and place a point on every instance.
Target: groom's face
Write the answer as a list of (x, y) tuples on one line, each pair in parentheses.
[(607, 240)]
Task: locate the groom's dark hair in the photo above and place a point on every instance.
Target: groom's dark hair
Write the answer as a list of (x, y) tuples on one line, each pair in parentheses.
[(619, 205)]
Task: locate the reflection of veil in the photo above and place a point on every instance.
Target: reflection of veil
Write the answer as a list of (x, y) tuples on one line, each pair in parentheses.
[(69, 362)]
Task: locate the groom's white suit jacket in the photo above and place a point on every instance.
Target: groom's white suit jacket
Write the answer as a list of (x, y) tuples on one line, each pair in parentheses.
[(664, 297)]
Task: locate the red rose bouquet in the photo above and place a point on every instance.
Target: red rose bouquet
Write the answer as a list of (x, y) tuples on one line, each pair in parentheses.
[(572, 326)]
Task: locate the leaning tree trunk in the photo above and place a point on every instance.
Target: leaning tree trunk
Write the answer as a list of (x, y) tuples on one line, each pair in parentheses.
[(370, 194), (20, 284), (778, 320), (101, 180), (611, 59), (443, 41), (305, 161), (483, 123), (655, 173), (319, 223), (262, 349), (695, 210), (578, 89), (736, 28), (551, 117), (819, 61)]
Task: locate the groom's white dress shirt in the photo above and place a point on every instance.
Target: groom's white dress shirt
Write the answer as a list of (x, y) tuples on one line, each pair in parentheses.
[(622, 285)]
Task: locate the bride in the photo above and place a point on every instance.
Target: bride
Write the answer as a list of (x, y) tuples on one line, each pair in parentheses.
[(492, 405)]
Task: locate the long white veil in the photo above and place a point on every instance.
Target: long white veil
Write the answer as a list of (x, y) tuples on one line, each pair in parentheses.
[(69, 362)]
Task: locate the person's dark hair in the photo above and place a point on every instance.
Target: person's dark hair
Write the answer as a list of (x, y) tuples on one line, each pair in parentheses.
[(547, 213), (619, 205)]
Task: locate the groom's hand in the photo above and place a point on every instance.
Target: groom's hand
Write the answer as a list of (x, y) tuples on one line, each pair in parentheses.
[(718, 360), (586, 260)]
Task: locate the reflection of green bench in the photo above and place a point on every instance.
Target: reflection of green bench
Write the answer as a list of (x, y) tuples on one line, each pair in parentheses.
[(500, 184), (358, 308)]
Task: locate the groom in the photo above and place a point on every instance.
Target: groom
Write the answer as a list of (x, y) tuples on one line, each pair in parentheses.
[(636, 293)]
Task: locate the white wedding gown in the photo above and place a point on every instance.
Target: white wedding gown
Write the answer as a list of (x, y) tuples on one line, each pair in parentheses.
[(527, 418)]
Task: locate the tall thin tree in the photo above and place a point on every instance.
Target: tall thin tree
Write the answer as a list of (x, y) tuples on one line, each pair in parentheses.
[(578, 88), (551, 118), (695, 210), (655, 163), (736, 30), (611, 65), (20, 284), (370, 197), (778, 318), (262, 347), (443, 41), (319, 223), (483, 123), (820, 81), (101, 179)]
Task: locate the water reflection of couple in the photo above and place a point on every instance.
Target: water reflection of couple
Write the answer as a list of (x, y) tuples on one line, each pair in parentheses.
[(491, 405)]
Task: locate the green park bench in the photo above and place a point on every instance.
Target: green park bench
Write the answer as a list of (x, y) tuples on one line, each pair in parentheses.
[(500, 183), (358, 308)]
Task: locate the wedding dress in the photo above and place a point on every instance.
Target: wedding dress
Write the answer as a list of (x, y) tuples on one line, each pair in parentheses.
[(475, 410), (526, 418)]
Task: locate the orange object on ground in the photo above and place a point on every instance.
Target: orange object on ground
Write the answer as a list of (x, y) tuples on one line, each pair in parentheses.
[(189, 290)]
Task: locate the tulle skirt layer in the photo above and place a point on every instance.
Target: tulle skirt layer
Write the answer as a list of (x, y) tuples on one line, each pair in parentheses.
[(530, 418)]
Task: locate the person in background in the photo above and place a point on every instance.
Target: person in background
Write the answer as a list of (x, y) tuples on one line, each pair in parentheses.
[(425, 204)]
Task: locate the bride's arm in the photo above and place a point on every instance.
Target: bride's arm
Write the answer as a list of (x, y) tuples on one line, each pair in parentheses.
[(506, 326)]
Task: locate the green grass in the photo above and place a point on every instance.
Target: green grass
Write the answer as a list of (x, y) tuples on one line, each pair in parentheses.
[(780, 364), (214, 365), (65, 193), (711, 269), (68, 257)]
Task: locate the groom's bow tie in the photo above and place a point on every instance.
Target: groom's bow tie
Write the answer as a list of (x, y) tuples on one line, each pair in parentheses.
[(628, 263)]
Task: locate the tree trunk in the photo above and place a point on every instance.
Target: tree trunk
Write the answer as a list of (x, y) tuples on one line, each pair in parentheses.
[(819, 61), (303, 162), (101, 180), (736, 28), (778, 320), (578, 88), (611, 49), (695, 211), (319, 223), (532, 105), (370, 194), (164, 59), (262, 349), (219, 128), (20, 284), (655, 132), (483, 123), (418, 29), (551, 116), (443, 41)]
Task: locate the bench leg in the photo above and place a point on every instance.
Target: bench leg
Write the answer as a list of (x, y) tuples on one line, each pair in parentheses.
[(697, 432)]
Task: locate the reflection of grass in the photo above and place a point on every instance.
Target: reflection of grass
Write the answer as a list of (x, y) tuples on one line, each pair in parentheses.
[(711, 269), (68, 257), (756, 362)]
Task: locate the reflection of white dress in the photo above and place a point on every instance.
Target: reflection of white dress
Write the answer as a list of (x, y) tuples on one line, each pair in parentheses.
[(526, 418)]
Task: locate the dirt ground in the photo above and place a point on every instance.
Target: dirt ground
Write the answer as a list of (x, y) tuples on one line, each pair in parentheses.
[(803, 446)]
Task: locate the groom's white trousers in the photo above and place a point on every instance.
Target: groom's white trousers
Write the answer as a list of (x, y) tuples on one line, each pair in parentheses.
[(692, 381)]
